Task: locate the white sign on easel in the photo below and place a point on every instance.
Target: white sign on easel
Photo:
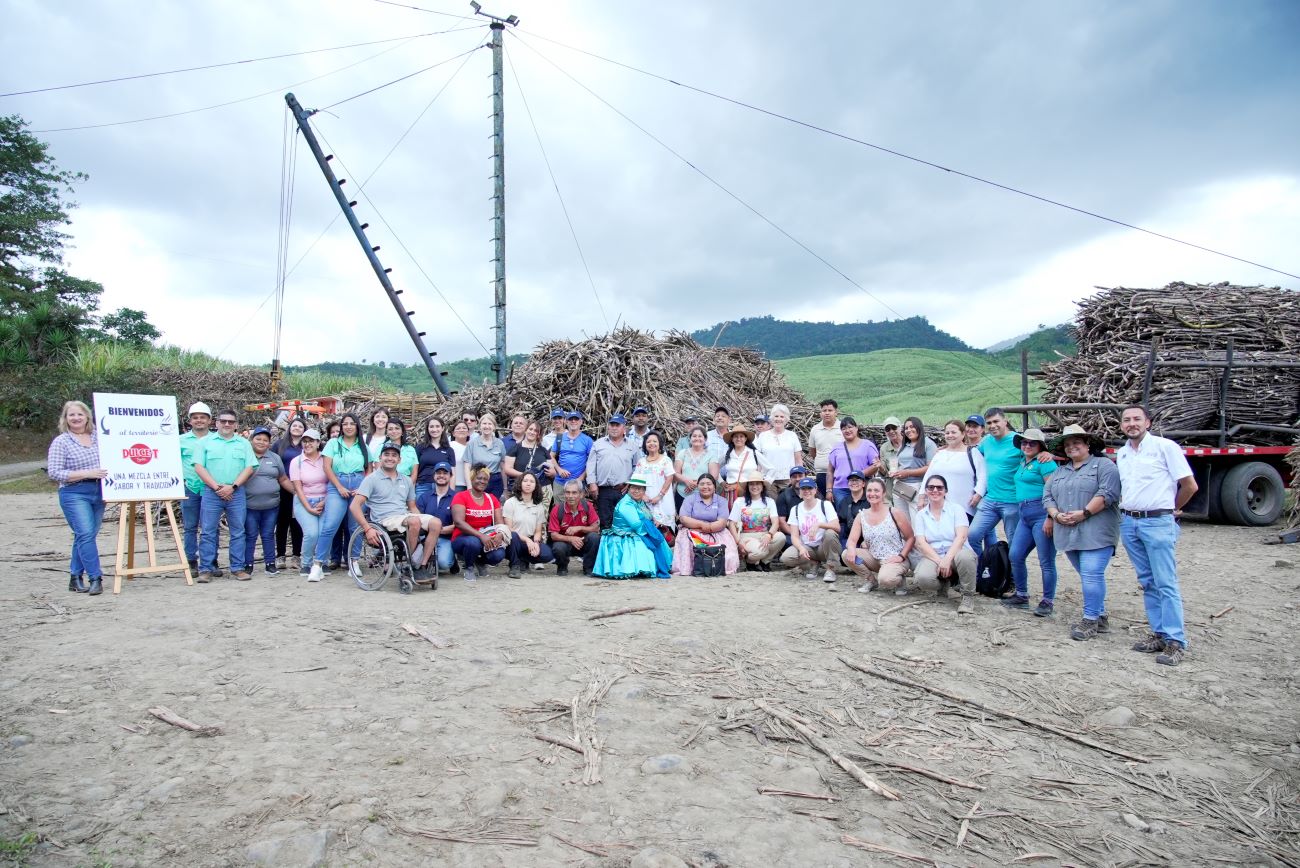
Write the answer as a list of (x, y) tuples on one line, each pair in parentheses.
[(139, 446)]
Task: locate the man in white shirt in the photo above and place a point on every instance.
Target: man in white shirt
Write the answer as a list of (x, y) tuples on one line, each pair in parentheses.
[(718, 439), (1156, 482), (557, 428), (822, 439)]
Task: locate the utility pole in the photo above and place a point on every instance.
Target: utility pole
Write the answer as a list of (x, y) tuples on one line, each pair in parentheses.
[(497, 26)]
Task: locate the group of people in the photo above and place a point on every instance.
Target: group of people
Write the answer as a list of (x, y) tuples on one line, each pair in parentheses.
[(627, 506)]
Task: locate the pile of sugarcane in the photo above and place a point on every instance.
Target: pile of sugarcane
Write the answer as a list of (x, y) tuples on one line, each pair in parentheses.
[(1189, 322), (671, 376), (1293, 459)]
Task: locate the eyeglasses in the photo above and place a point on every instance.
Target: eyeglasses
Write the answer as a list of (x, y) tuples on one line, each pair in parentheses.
[(227, 421), (935, 488)]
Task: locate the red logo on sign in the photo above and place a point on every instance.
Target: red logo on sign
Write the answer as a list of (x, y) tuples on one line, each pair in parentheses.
[(140, 454)]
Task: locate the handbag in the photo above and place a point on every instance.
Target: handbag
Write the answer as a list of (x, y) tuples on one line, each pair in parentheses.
[(906, 491), (709, 561)]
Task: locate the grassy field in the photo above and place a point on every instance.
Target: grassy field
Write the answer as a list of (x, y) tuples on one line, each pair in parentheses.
[(933, 384)]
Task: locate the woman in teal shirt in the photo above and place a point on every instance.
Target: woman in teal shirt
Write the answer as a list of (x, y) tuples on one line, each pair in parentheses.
[(410, 458), (1035, 529), (346, 460)]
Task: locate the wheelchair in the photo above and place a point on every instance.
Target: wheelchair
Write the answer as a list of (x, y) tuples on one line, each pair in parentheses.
[(376, 564)]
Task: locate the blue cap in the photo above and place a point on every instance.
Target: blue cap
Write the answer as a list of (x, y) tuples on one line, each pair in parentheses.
[(260, 429), (798, 468), (761, 418), (640, 410), (857, 474), (557, 413), (442, 465), (976, 418), (574, 414), (618, 419), (807, 482), (390, 446)]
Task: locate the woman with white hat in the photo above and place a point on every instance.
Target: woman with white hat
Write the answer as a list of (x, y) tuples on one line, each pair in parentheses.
[(739, 459), (755, 523), (1035, 529)]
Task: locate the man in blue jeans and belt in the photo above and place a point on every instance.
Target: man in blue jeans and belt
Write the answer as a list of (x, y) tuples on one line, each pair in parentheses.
[(200, 416), (1001, 458), (1156, 483), (224, 461)]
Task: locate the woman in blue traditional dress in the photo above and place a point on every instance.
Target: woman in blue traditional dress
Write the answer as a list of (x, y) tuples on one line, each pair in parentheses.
[(632, 546)]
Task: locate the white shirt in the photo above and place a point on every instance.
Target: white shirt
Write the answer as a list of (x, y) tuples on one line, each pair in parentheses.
[(942, 531), (1149, 474), (955, 468), (806, 520), (824, 439), (778, 450)]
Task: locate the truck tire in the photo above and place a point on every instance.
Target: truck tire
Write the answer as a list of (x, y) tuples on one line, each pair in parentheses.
[(1252, 494)]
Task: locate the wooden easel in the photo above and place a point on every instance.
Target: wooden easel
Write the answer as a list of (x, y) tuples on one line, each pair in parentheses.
[(126, 543)]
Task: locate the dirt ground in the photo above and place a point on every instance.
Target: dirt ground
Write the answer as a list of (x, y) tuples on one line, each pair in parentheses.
[(343, 740)]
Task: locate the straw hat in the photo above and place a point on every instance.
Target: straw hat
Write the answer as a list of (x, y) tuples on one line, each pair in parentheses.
[(1095, 444), (1032, 434), (638, 481), (739, 428), (752, 475)]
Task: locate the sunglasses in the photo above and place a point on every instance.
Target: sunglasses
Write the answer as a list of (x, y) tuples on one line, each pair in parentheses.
[(226, 421), (935, 488)]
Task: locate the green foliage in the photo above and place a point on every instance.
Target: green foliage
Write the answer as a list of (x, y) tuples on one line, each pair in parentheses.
[(14, 851), (1044, 345), (400, 377), (932, 384), (130, 326), (780, 339)]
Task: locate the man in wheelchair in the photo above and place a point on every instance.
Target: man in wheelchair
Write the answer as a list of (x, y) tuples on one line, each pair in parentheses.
[(391, 499)]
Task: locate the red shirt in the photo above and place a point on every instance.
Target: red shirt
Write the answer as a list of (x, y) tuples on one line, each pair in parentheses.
[(476, 516), (562, 520)]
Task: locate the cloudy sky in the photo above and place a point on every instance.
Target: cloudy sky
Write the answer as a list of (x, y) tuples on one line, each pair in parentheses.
[(1177, 116)]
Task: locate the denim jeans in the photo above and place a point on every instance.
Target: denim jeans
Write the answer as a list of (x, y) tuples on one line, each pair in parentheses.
[(470, 551), (1150, 545), (838, 494), (983, 530), (260, 523), (210, 512), (337, 516), (422, 487), (83, 507), (519, 556), (310, 524), (191, 506), (1091, 566), (1030, 536)]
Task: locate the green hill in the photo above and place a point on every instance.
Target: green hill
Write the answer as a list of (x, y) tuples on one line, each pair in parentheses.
[(1044, 345), (932, 384), (782, 339), (400, 377)]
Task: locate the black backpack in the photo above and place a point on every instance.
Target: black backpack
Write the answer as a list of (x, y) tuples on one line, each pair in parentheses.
[(993, 573)]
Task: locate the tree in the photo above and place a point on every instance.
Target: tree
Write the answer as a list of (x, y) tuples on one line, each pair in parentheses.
[(130, 326), (33, 213)]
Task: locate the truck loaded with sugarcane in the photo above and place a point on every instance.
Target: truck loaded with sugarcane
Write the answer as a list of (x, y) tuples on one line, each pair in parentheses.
[(1217, 366)]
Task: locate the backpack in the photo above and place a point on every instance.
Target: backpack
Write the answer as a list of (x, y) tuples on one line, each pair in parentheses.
[(993, 574)]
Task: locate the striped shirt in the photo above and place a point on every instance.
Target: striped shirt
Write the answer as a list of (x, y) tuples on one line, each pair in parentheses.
[(67, 456)]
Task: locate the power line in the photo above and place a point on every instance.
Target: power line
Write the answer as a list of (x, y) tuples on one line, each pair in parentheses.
[(582, 256), (430, 11), (920, 160), (276, 90), (226, 63), (404, 77)]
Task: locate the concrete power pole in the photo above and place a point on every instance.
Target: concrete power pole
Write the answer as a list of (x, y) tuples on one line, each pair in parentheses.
[(498, 186)]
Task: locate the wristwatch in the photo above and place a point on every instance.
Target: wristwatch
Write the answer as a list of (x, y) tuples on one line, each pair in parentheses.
[(234, 486)]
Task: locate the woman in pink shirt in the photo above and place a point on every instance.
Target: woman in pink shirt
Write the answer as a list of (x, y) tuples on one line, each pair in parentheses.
[(307, 473)]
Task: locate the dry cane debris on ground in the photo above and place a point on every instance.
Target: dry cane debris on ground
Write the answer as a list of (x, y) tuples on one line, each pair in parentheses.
[(1114, 330)]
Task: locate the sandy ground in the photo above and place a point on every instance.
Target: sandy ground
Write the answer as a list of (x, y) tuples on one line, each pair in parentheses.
[(342, 737)]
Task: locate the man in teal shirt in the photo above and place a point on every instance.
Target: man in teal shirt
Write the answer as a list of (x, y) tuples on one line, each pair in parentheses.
[(223, 462), (1001, 458), (200, 426)]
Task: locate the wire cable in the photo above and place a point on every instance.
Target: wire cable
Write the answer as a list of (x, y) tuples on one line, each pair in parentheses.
[(404, 77), (430, 11), (277, 90), (554, 183), (220, 65), (924, 162)]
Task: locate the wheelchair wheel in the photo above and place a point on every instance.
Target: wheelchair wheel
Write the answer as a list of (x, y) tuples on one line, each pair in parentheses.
[(375, 563)]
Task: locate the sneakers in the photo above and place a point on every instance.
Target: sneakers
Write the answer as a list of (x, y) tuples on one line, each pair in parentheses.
[(967, 606), (331, 566), (561, 571), (1015, 601), (829, 577), (455, 568), (866, 588), (1044, 609), (281, 563), (481, 569), (1084, 630), (241, 575), (811, 574), (204, 578), (513, 572), (1103, 623), (354, 569), (1172, 655), (1152, 644), (272, 569), (901, 591), (764, 567), (295, 562), (315, 574)]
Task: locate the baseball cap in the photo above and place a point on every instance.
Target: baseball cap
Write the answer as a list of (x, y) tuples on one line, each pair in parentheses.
[(199, 407), (807, 482), (390, 446), (761, 418), (618, 419), (442, 465), (557, 413), (798, 468), (894, 421), (574, 414), (976, 418), (260, 429), (640, 410), (857, 474), (312, 433)]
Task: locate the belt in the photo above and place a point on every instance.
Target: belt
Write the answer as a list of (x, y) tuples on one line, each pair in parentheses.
[(1146, 513)]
